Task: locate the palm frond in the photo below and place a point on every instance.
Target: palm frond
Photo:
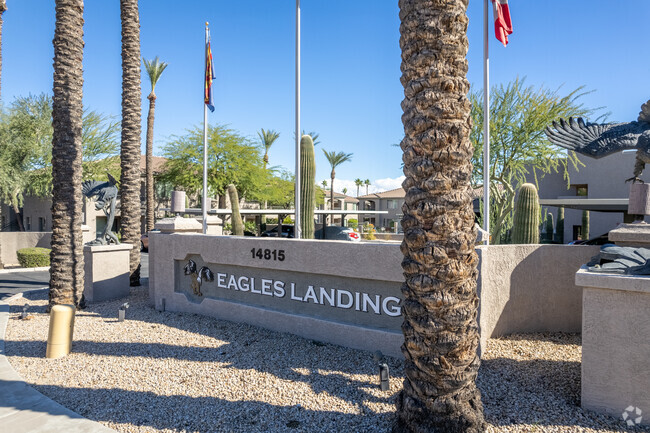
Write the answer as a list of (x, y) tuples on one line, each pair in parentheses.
[(335, 159), (268, 137), (154, 69)]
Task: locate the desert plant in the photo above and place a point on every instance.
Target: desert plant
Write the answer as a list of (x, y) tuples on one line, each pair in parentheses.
[(559, 226), (549, 226), (335, 159), (368, 232), (237, 224), (525, 228), (267, 138), (353, 223), (307, 186), (154, 70), (439, 290), (67, 270), (33, 257), (130, 155), (585, 225)]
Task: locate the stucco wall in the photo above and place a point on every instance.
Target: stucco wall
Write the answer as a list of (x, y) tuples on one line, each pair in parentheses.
[(523, 288), (332, 265), (10, 242), (530, 288)]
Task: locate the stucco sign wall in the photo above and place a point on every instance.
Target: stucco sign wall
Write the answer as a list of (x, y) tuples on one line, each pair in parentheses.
[(334, 291)]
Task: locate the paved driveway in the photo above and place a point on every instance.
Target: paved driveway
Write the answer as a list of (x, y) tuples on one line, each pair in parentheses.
[(19, 281), (16, 282)]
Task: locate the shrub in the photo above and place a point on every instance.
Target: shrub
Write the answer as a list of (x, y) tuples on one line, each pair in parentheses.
[(368, 232), (353, 223), (33, 257)]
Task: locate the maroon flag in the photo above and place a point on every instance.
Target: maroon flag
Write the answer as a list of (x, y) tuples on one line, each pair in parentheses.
[(209, 76), (502, 22)]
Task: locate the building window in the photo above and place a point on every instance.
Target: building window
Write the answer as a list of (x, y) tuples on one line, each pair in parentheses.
[(28, 223), (581, 190), (577, 233), (392, 204), (41, 224)]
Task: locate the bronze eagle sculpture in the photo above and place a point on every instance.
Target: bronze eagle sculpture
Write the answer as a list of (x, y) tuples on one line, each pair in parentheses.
[(598, 140), (105, 194)]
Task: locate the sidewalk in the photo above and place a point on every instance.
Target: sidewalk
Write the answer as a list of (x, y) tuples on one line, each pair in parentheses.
[(25, 410)]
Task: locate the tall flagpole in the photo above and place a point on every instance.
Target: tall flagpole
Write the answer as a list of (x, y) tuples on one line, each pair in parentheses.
[(204, 200), (296, 226), (486, 125)]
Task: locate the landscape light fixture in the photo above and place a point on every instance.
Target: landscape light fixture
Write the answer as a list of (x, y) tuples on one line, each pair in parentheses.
[(121, 313), (384, 375)]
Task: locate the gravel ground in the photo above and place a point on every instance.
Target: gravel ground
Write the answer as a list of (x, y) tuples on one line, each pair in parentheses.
[(173, 372)]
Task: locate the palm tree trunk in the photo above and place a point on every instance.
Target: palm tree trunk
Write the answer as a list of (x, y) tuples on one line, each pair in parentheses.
[(19, 219), (331, 201), (149, 162), (67, 261), (131, 130), (440, 265)]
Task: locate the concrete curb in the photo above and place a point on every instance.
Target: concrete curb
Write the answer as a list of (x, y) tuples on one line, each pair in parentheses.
[(15, 270), (25, 410)]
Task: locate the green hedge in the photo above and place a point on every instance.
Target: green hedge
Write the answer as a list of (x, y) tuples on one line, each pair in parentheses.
[(33, 257)]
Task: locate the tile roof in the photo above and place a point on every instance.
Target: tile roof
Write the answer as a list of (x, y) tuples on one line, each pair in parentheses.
[(158, 162), (338, 195), (400, 193), (393, 193)]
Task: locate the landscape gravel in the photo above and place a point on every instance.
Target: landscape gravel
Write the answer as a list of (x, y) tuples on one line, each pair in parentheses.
[(170, 372)]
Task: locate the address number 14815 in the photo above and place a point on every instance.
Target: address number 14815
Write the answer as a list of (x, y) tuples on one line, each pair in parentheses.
[(267, 254)]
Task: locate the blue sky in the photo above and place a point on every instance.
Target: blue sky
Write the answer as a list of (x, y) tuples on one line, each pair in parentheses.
[(351, 91)]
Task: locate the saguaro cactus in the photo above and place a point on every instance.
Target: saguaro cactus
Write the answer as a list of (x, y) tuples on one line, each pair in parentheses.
[(585, 225), (307, 186), (525, 228), (559, 226), (237, 224), (549, 226)]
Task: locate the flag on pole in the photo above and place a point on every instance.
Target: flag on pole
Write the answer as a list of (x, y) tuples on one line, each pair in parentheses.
[(502, 22), (209, 76)]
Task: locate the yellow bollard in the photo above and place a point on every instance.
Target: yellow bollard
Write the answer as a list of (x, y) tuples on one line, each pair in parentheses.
[(59, 339)]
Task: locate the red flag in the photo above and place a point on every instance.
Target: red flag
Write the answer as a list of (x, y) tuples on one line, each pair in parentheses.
[(502, 23)]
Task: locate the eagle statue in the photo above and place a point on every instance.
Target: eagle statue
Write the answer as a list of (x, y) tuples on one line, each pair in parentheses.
[(105, 195), (598, 140)]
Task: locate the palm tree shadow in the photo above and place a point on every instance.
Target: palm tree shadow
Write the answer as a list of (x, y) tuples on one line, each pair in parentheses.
[(317, 364), (202, 414)]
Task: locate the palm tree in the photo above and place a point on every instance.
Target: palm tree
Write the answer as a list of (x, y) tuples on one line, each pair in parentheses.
[(344, 190), (3, 8), (335, 159), (67, 264), (324, 183), (440, 301), (131, 131), (267, 138), (154, 69), (367, 184), (358, 182)]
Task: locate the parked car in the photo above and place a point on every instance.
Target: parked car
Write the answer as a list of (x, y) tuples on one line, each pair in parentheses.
[(337, 233), (144, 241), (600, 240), (287, 232)]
